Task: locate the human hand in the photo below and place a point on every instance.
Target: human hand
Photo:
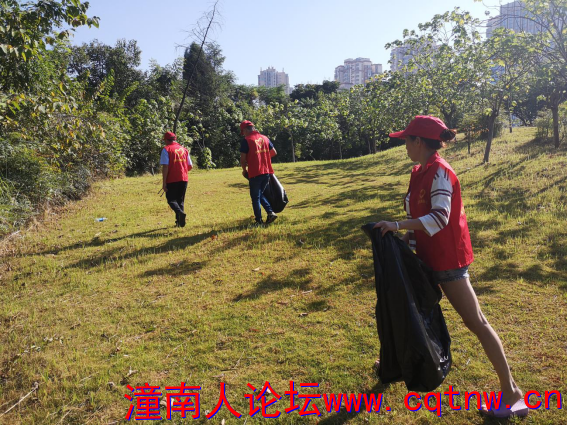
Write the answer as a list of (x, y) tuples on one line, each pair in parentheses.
[(386, 226), (164, 187), (245, 173)]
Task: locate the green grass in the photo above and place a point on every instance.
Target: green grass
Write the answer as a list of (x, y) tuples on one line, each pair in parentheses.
[(83, 303)]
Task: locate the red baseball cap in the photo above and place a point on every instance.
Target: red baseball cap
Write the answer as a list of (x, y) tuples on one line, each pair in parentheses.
[(170, 136), (244, 124), (424, 126)]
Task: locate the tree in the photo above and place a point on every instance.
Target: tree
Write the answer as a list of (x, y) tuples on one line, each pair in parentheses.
[(201, 33), (549, 18), (272, 95), (27, 28), (94, 61), (310, 91), (208, 101), (510, 58), (445, 62)]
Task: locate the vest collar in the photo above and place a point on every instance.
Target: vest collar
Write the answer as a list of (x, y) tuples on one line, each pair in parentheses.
[(434, 158)]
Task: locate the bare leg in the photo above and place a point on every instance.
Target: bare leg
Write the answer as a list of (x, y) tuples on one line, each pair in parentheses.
[(463, 298)]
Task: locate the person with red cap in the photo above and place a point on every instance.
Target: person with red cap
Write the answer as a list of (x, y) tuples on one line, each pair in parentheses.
[(175, 163), (256, 152), (437, 229)]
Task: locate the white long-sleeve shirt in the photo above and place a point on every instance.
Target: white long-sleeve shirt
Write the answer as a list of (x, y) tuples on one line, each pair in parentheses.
[(441, 195)]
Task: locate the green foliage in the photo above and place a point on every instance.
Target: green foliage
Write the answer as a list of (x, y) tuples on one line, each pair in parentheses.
[(205, 159), (544, 123), (27, 28), (191, 302), (148, 123), (88, 111), (310, 91), (95, 61), (446, 64)]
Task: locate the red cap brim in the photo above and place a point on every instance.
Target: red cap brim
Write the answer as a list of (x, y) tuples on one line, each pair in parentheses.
[(399, 135)]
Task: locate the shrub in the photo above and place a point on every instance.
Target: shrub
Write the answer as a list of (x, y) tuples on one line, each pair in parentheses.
[(544, 123)]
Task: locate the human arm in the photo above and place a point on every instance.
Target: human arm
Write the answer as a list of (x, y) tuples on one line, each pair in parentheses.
[(438, 217), (244, 149), (164, 161), (408, 224), (273, 151), (164, 172), (244, 164)]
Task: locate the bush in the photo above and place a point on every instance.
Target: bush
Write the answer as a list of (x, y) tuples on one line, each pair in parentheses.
[(544, 123), (148, 122), (476, 124), (205, 159), (28, 173), (13, 212), (28, 182)]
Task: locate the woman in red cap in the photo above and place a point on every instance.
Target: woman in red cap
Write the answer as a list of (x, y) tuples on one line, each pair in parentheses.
[(437, 229)]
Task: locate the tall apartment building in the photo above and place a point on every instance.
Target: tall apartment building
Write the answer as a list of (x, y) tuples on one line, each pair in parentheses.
[(513, 16), (272, 78), (401, 56), (356, 71)]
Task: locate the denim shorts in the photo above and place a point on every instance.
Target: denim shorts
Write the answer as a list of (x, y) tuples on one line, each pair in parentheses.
[(451, 275)]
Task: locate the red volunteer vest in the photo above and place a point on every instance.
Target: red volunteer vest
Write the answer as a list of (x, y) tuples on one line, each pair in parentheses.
[(258, 157), (178, 163), (451, 247)]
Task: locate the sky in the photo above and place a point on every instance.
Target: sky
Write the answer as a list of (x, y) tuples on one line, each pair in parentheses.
[(305, 38)]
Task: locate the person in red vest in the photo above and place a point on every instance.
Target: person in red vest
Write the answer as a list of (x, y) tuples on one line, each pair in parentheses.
[(438, 231), (176, 164), (256, 152)]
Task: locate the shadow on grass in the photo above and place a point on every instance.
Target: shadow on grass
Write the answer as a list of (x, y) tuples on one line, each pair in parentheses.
[(176, 269), (239, 185), (541, 145), (97, 242), (505, 267), (174, 244), (341, 232), (298, 278), (353, 170)]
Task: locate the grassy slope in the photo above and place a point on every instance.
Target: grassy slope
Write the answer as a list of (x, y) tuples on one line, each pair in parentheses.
[(84, 302)]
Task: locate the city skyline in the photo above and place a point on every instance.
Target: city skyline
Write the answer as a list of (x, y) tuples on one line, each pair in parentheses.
[(307, 39), (356, 71), (271, 77)]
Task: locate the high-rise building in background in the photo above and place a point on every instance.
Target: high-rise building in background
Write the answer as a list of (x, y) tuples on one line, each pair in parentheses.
[(356, 71), (513, 16), (273, 78), (401, 56)]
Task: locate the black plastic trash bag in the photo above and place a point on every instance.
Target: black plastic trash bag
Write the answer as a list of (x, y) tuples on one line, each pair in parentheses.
[(414, 341), (276, 195)]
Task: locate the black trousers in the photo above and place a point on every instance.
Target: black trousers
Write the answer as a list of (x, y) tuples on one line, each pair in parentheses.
[(176, 196)]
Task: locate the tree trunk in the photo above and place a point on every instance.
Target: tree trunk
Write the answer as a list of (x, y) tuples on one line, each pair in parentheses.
[(340, 151), (448, 116), (555, 114), (491, 122), (292, 147), (211, 20), (510, 120), (509, 116), (373, 145), (469, 141)]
